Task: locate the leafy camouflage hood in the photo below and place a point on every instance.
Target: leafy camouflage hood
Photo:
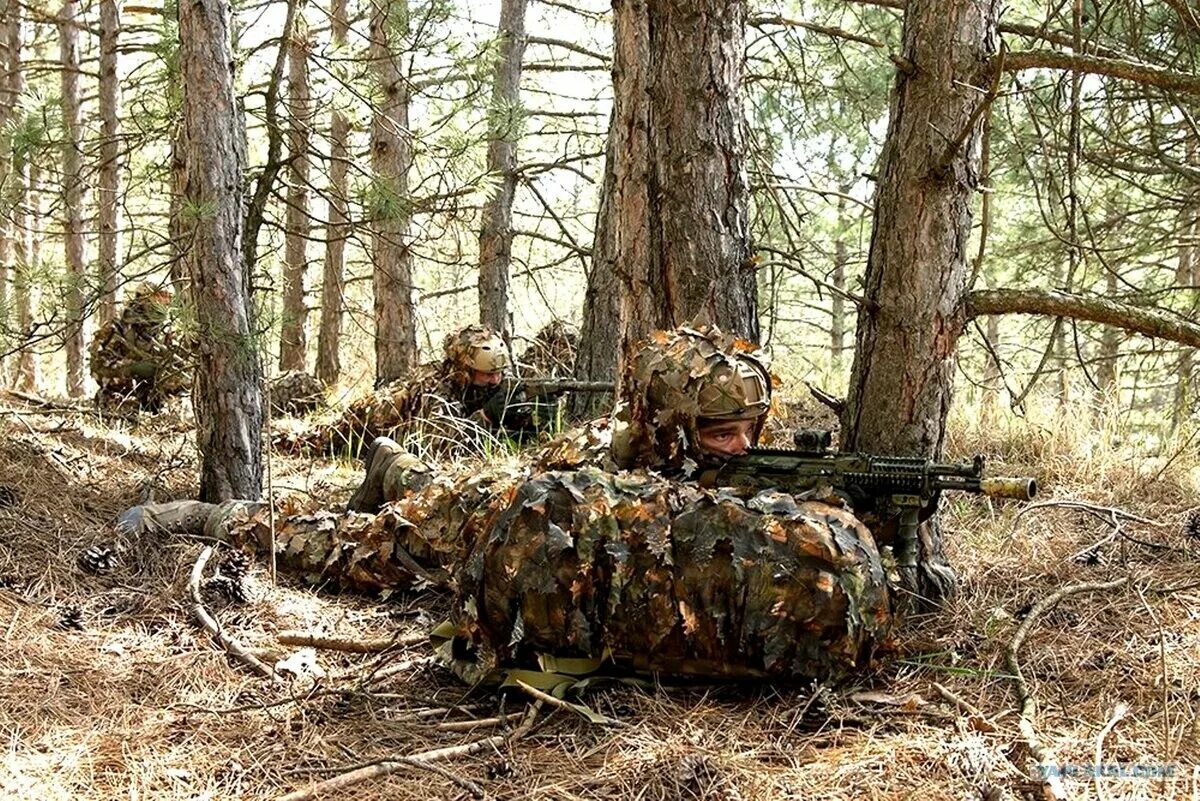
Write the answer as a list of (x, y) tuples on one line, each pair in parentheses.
[(472, 348), (675, 379)]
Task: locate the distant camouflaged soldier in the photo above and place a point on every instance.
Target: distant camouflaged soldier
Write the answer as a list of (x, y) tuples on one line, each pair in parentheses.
[(455, 403), (136, 358), (632, 567)]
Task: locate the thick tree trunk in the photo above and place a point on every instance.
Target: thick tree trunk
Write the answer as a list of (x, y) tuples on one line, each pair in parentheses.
[(109, 189), (329, 337), (72, 189), (228, 395), (504, 125), (293, 343), (680, 193), (903, 371), (600, 334), (391, 158), (904, 362)]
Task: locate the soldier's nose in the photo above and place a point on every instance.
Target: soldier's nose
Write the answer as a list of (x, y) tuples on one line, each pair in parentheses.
[(742, 443)]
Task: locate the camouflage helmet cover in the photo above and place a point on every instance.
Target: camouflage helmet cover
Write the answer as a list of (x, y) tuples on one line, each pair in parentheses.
[(474, 348), (676, 380)]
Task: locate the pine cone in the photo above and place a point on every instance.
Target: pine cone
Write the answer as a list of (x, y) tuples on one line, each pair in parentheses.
[(1191, 524), (98, 559), (232, 591), (71, 619), (235, 565)]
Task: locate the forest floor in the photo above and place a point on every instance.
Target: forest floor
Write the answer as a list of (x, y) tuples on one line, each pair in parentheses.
[(138, 703)]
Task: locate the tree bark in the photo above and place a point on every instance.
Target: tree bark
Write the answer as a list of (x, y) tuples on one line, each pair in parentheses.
[(1106, 375), (24, 375), (600, 334), (329, 337), (109, 177), (1187, 274), (26, 219), (8, 103), (680, 193), (293, 341), (228, 391), (179, 228), (72, 192), (391, 158), (504, 125), (903, 371)]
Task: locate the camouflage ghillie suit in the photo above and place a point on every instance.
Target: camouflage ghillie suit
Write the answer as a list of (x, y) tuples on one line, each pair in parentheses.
[(431, 409), (296, 393), (551, 352), (636, 570), (136, 358)]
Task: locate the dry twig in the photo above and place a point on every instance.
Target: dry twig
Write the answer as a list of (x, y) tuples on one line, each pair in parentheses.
[(1052, 784), (232, 646), (392, 764)]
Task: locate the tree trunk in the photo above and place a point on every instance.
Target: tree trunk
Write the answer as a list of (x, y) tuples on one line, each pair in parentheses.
[(904, 362), (504, 126), (1110, 342), (600, 334), (837, 317), (391, 157), (292, 339), (903, 371), (72, 188), (228, 394), (179, 229), (26, 217), (329, 337), (680, 193), (109, 190), (1187, 274), (8, 103)]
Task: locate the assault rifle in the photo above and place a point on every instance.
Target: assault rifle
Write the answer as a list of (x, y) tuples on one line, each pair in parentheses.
[(907, 489), (552, 387)]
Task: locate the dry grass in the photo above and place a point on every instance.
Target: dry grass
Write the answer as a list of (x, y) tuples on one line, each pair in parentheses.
[(141, 705)]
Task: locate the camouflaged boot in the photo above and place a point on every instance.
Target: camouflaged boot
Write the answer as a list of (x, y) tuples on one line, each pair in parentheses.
[(380, 455), (185, 518)]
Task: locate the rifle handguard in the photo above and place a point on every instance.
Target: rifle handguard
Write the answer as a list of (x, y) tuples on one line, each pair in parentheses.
[(1021, 489)]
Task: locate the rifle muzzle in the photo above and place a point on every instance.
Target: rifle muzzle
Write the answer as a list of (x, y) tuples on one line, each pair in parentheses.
[(1021, 489)]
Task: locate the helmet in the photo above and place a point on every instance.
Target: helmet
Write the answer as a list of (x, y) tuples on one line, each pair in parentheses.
[(474, 348), (678, 380)]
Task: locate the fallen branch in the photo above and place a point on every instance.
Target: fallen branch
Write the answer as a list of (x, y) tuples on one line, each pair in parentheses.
[(231, 646), (1052, 785), (348, 644), (1118, 713), (422, 760)]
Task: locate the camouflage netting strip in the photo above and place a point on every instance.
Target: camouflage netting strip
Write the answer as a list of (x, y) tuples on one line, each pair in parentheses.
[(412, 542), (669, 578)]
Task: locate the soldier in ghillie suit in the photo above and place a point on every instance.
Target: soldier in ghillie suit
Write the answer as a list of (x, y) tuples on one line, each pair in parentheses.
[(584, 568), (458, 403), (137, 358)]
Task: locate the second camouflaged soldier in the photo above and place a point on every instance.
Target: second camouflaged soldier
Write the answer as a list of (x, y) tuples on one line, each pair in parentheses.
[(453, 406)]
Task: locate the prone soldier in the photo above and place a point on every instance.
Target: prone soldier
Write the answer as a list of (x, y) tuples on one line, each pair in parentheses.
[(606, 551)]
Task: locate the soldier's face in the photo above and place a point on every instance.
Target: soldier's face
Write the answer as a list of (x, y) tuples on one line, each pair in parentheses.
[(729, 438), (481, 379)]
